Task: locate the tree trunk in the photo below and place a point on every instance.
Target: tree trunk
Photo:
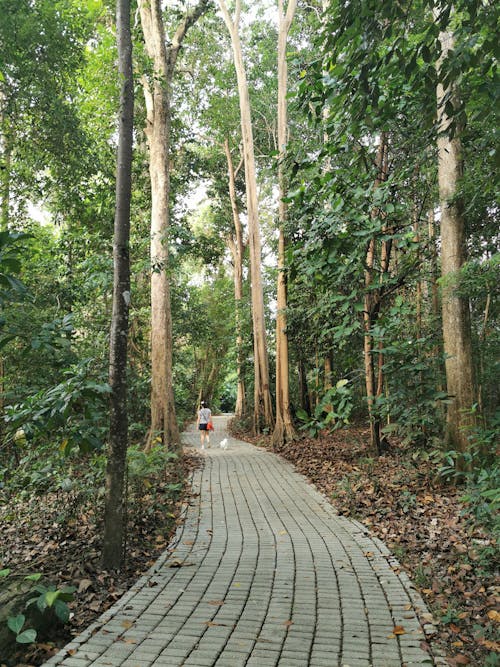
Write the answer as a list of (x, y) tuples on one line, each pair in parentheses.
[(263, 410), (434, 264), (455, 307), (368, 352), (371, 308), (237, 248), (305, 402), (114, 517), (284, 430), (5, 183), (157, 93)]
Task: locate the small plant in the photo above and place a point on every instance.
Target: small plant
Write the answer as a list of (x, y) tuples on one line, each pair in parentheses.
[(50, 597), (450, 616), (407, 501), (16, 624), (421, 577)]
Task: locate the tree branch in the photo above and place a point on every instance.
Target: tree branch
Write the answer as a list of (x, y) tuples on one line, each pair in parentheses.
[(189, 19)]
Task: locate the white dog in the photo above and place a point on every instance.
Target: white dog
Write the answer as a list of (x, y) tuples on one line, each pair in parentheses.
[(223, 444)]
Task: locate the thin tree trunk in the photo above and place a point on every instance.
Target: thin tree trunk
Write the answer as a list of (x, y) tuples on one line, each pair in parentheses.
[(455, 307), (157, 93), (305, 402), (114, 517), (5, 182), (368, 308), (263, 410), (284, 430), (434, 264), (373, 380), (237, 247), (482, 338)]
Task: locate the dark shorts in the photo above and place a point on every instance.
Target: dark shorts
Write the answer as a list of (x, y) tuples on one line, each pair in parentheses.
[(202, 427)]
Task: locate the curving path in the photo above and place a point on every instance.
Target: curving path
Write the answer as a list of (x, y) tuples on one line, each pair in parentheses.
[(262, 572)]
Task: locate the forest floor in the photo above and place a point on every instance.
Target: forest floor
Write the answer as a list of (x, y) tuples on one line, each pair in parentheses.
[(60, 536), (402, 500)]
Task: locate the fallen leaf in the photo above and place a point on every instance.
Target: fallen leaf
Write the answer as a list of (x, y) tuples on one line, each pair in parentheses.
[(490, 645), (398, 630), (127, 624), (212, 624), (84, 585)]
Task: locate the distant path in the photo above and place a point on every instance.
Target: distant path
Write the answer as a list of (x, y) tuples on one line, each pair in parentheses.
[(263, 573)]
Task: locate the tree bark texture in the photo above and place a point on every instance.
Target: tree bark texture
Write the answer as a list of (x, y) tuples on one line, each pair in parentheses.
[(237, 248), (263, 410), (115, 509), (455, 307), (284, 429), (157, 93)]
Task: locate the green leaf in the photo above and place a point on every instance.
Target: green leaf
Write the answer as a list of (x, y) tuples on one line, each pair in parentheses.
[(26, 637), (302, 414), (51, 597), (62, 611), (33, 577), (15, 623), (5, 573)]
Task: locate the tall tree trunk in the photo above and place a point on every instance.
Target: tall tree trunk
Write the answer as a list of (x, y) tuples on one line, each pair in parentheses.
[(455, 307), (371, 309), (157, 93), (284, 429), (114, 517), (368, 352), (237, 248), (263, 410)]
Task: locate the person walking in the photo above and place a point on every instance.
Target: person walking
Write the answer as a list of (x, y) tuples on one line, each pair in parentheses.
[(204, 416)]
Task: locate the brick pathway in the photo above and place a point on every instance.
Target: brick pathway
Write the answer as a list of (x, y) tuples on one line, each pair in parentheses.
[(263, 573)]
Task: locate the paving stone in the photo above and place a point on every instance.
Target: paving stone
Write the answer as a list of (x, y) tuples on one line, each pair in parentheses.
[(276, 578)]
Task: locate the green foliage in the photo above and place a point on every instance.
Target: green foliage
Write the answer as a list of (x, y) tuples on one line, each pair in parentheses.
[(71, 414), (481, 478), (333, 410), (144, 466), (10, 264)]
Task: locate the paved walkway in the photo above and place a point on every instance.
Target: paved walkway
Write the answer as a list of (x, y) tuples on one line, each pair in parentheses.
[(262, 573)]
